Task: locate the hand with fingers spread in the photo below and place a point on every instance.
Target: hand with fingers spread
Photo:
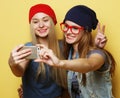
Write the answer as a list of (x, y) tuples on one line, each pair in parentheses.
[(17, 60), (100, 39), (47, 56)]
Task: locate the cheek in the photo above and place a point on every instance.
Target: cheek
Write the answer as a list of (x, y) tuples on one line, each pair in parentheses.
[(77, 38), (33, 30), (33, 27), (48, 24)]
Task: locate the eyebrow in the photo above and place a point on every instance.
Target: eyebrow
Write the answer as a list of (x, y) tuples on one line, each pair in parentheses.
[(42, 18)]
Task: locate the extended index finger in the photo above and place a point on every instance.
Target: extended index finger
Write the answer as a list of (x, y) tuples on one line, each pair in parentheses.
[(18, 48), (103, 29), (99, 28)]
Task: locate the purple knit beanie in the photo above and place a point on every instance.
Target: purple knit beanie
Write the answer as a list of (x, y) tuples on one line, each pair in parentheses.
[(83, 16)]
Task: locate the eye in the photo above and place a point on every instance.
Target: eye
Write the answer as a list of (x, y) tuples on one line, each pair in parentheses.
[(75, 28), (35, 21), (66, 26), (46, 19)]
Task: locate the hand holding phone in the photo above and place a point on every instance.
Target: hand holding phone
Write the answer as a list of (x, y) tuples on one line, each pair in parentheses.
[(35, 52)]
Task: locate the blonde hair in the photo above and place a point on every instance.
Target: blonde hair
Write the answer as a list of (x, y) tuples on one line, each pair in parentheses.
[(58, 74)]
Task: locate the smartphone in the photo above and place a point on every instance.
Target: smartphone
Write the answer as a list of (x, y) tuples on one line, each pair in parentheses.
[(35, 52)]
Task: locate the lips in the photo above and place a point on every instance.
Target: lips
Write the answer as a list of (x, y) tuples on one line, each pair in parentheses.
[(42, 30), (70, 37)]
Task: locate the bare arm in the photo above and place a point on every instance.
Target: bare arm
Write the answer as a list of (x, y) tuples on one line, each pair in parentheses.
[(83, 65), (17, 61)]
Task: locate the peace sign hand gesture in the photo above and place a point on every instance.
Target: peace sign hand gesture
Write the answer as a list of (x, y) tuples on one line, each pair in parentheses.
[(100, 39)]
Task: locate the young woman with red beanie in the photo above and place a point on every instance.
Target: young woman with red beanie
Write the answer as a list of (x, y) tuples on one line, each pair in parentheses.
[(89, 68), (38, 79)]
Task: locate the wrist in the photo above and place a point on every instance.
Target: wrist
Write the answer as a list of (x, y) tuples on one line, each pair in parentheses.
[(11, 64), (61, 64)]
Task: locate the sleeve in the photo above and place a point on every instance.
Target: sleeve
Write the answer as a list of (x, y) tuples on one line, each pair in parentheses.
[(28, 44), (105, 66)]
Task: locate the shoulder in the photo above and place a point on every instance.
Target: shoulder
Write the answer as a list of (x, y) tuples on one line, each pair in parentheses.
[(105, 66), (28, 44), (98, 51)]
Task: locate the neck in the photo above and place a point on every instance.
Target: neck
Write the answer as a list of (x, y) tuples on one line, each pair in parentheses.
[(43, 41), (75, 50), (75, 47)]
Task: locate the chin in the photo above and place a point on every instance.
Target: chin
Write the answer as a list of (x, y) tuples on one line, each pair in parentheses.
[(70, 41), (43, 35)]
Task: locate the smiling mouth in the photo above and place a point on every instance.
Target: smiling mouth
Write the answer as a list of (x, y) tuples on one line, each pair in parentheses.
[(69, 37), (42, 30)]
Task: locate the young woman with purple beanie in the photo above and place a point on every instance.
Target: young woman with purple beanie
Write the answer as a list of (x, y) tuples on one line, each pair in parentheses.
[(89, 69)]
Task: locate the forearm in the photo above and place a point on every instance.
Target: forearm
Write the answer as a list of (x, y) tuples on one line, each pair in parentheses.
[(78, 65), (18, 69), (81, 65)]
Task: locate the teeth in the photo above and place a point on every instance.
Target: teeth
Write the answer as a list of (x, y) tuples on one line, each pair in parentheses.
[(69, 37), (42, 31)]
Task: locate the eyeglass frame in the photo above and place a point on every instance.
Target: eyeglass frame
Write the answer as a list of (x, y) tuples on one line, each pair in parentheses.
[(70, 27)]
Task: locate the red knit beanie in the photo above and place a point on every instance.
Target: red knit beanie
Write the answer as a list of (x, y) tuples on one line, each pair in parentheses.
[(42, 8)]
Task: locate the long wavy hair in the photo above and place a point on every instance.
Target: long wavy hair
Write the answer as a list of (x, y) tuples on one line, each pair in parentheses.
[(58, 74), (86, 43)]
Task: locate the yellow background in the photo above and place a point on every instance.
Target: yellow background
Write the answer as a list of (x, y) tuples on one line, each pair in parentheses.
[(14, 30)]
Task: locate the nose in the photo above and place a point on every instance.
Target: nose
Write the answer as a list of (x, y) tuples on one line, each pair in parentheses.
[(68, 31), (41, 24)]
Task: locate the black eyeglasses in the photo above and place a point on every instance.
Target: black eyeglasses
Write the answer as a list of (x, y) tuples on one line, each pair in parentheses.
[(74, 29)]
